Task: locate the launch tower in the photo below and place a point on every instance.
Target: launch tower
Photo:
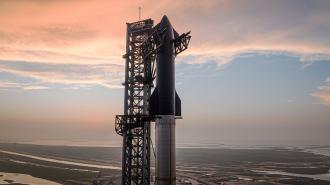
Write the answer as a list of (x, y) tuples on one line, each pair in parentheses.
[(145, 47)]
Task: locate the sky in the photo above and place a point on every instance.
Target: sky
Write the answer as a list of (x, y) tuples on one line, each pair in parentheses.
[(256, 72)]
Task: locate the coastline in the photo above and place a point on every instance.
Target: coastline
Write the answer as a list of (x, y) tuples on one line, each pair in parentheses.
[(80, 165)]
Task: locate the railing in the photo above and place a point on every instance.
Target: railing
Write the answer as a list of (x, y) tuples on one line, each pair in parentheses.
[(127, 122)]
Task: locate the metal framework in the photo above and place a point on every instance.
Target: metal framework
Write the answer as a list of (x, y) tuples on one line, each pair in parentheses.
[(134, 125), (181, 42), (142, 44)]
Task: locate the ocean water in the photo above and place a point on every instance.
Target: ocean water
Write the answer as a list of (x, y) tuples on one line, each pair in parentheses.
[(325, 176), (320, 150), (63, 161), (203, 158)]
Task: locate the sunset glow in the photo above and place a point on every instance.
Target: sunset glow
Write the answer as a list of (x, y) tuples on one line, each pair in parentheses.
[(263, 66)]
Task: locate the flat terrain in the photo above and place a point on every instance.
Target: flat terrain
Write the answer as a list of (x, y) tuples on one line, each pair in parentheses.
[(209, 166)]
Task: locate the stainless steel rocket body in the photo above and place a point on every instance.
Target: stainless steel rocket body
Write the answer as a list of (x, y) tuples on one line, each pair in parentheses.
[(165, 150), (165, 83), (164, 106)]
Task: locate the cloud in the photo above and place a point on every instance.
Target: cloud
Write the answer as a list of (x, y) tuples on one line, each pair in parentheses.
[(62, 31), (46, 56), (198, 59), (35, 87), (230, 29), (255, 24), (308, 59), (323, 94), (8, 84), (92, 34), (219, 27), (224, 58), (75, 75), (23, 86)]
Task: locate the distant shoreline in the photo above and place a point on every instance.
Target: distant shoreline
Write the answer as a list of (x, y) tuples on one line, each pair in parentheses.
[(202, 162), (179, 145)]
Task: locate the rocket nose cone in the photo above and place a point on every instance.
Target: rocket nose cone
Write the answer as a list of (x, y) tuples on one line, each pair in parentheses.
[(165, 20)]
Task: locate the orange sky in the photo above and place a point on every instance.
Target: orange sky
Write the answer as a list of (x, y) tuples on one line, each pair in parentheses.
[(78, 44), (65, 31)]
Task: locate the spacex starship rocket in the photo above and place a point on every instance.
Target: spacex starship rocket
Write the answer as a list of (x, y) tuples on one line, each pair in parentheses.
[(165, 104), (150, 54)]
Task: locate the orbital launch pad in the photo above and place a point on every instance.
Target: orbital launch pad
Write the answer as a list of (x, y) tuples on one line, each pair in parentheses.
[(150, 55)]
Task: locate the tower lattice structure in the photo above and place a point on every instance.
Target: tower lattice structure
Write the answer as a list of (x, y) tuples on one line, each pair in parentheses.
[(134, 125)]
